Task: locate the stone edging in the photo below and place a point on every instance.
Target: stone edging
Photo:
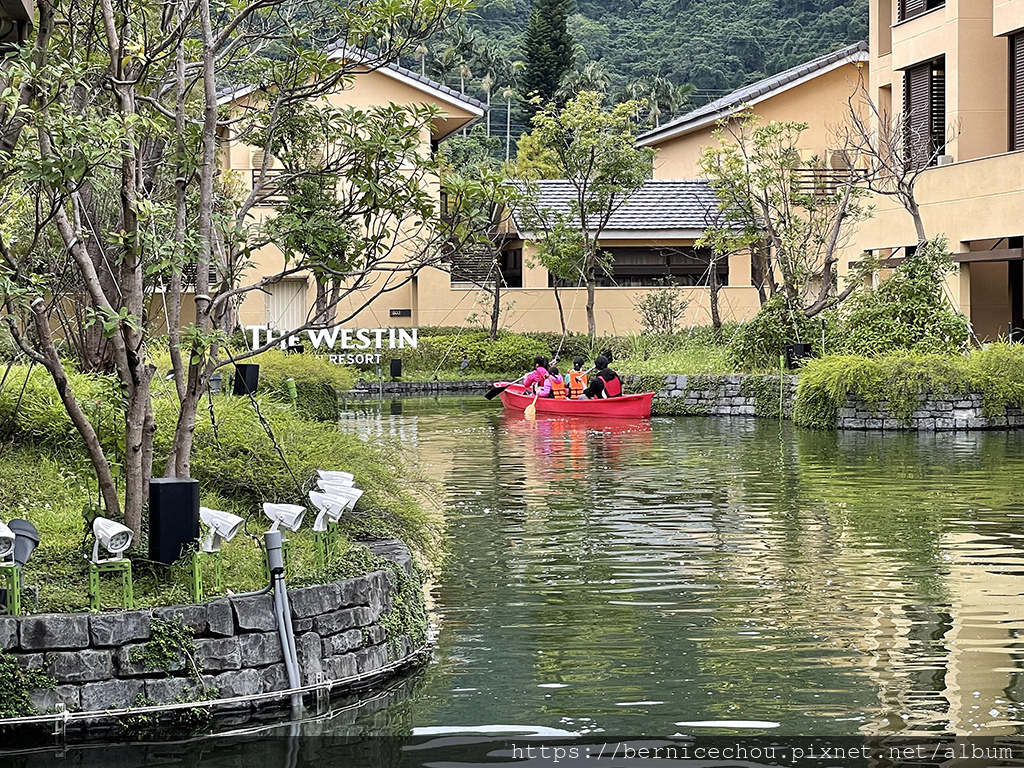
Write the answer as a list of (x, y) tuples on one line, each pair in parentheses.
[(94, 658), (758, 396), (456, 386)]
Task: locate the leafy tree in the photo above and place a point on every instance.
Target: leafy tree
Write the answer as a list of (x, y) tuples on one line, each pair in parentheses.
[(481, 199), (771, 200), (112, 129), (535, 161), (662, 308), (548, 48), (595, 151)]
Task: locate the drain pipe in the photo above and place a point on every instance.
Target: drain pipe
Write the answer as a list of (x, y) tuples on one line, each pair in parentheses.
[(282, 612)]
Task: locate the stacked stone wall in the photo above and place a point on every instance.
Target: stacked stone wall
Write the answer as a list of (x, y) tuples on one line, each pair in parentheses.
[(99, 660)]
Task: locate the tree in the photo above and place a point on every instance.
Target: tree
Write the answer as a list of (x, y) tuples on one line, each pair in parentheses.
[(595, 151), (117, 185), (890, 147), (549, 49), (482, 199), (592, 77), (794, 218)]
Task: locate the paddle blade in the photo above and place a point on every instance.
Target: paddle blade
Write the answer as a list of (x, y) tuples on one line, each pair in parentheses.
[(495, 391), (531, 410)]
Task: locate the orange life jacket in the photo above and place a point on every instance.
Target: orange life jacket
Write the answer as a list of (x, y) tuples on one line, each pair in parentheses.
[(557, 387), (577, 383)]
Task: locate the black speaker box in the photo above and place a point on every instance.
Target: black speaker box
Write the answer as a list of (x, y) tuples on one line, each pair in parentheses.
[(173, 517), (247, 378), (396, 369)]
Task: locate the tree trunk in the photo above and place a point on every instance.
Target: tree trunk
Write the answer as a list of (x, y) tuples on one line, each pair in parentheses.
[(508, 130), (716, 287), (561, 312), (591, 286), (488, 114), (51, 361), (496, 307), (915, 212)]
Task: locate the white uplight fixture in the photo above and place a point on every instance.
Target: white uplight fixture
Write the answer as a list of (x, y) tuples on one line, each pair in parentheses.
[(330, 509), (7, 538), (114, 537), (221, 527), (284, 515), (336, 478)]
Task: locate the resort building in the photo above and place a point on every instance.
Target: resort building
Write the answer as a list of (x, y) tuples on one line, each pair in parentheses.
[(955, 70), (288, 303), (817, 93)]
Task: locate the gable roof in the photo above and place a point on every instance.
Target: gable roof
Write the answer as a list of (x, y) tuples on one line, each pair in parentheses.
[(755, 92), (339, 50), (661, 207)]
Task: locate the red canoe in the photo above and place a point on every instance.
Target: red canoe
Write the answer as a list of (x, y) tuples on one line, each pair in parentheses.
[(625, 407)]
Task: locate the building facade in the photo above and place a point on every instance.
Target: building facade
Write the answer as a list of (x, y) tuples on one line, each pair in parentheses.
[(955, 70)]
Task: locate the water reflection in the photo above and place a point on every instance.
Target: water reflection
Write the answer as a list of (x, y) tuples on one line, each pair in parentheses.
[(653, 580), (620, 579)]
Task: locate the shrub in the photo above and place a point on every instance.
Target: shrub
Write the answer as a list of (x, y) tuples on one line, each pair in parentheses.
[(908, 311), (318, 382), (900, 381), (661, 309), (758, 344)]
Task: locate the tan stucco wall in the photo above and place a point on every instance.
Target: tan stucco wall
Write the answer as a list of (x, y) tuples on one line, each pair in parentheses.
[(975, 64), (1007, 16), (822, 103)]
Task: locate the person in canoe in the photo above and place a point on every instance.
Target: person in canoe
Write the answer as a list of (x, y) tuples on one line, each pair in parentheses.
[(606, 382), (539, 375), (554, 386), (576, 379)]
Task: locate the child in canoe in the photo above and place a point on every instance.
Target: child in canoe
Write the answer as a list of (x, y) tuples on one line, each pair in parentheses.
[(576, 379), (539, 375)]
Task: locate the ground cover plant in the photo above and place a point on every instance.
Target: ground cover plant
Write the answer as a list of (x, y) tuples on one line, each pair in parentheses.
[(47, 479)]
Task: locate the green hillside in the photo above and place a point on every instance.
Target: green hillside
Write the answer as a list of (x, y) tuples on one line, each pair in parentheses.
[(717, 45)]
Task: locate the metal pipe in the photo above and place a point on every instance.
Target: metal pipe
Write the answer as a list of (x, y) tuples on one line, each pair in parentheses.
[(282, 613)]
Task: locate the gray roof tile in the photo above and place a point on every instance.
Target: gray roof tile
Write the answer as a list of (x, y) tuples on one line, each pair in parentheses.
[(662, 204), (728, 104)]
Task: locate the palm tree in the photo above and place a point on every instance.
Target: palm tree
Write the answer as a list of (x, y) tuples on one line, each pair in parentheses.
[(421, 53), (486, 84), (593, 77)]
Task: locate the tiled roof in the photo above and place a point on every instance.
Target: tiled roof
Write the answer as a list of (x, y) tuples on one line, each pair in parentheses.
[(357, 54), (661, 204), (338, 47), (734, 101)]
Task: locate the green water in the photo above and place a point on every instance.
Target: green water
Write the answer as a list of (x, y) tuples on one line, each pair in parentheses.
[(684, 579), (625, 578)]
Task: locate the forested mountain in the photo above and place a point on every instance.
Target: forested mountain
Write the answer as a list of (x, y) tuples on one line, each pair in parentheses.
[(717, 45)]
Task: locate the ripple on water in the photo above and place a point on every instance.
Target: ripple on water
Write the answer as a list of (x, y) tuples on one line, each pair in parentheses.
[(729, 571)]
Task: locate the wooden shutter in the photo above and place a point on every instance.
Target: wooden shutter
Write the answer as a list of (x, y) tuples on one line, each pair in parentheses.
[(917, 111), (1017, 92), (937, 109), (911, 8)]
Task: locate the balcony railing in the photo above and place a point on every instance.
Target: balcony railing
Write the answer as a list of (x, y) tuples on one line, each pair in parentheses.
[(823, 182)]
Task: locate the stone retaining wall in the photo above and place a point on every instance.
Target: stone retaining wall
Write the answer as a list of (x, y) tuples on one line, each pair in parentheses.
[(752, 395), (414, 388), (97, 659)]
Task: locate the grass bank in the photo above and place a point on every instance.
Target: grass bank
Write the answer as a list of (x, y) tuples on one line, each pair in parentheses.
[(46, 478)]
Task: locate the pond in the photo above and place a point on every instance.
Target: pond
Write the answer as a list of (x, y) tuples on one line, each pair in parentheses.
[(699, 578)]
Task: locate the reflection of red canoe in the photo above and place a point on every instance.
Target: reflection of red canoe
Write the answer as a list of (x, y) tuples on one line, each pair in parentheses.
[(625, 407)]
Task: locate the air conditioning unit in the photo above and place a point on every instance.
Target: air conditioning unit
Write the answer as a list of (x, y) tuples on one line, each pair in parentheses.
[(944, 160)]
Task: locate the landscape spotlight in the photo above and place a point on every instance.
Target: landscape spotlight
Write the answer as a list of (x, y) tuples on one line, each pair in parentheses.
[(351, 493), (114, 537), (7, 538), (331, 508), (221, 527), (336, 478), (287, 515)]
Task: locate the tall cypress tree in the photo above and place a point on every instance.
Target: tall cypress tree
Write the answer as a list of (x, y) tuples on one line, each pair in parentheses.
[(549, 49)]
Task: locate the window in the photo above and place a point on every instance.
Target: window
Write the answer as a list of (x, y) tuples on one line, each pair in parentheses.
[(924, 110), (911, 8), (512, 268), (649, 267), (1017, 92)]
